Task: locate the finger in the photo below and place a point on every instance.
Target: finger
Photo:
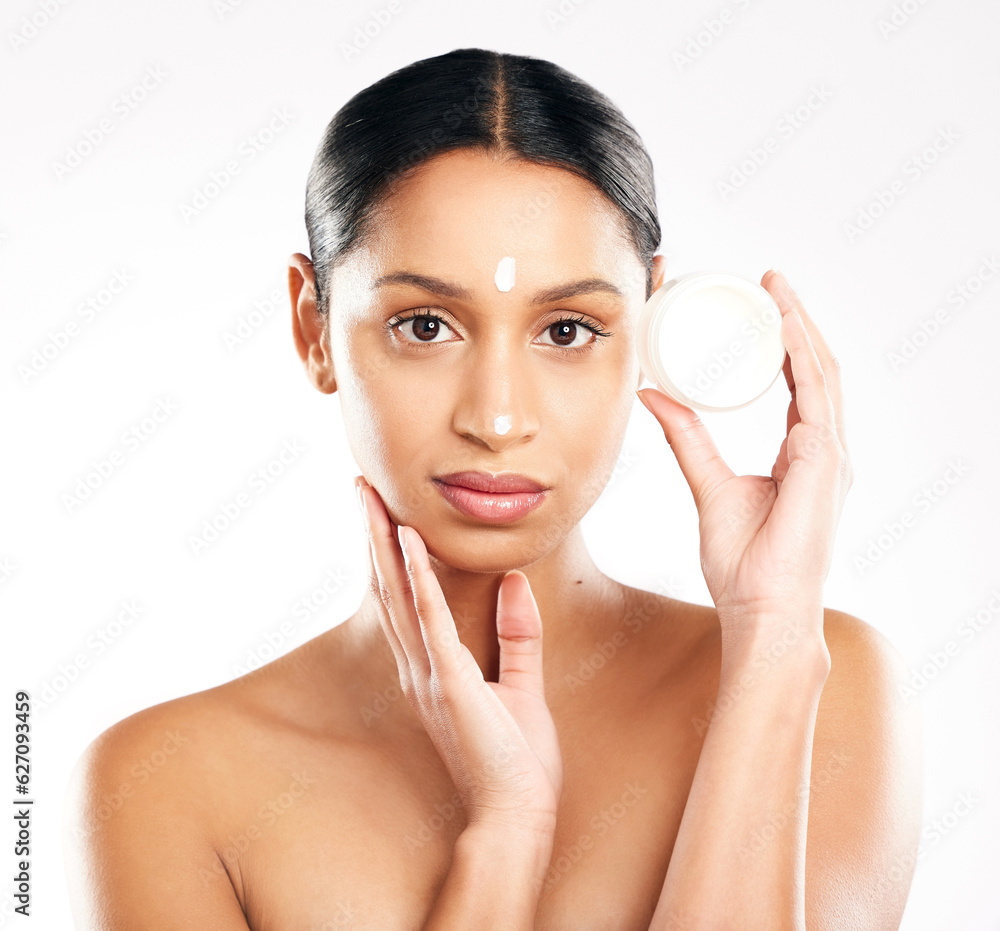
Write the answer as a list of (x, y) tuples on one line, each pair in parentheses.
[(696, 453), (778, 287), (383, 611), (519, 630), (808, 492), (385, 618), (385, 621), (373, 582), (393, 581), (437, 627), (812, 399), (792, 417), (780, 467)]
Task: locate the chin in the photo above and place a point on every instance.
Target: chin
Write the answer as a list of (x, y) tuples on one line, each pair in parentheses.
[(487, 549)]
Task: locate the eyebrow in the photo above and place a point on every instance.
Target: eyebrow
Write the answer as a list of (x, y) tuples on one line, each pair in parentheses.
[(559, 292)]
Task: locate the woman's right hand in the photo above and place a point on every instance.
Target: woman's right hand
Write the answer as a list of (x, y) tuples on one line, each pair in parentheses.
[(497, 739)]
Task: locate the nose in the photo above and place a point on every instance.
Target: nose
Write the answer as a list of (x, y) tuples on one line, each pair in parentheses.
[(498, 407)]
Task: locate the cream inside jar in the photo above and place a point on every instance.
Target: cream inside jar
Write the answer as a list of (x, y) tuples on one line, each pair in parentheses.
[(711, 340)]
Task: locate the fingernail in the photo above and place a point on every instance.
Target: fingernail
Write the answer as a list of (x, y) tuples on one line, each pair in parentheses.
[(402, 543), (644, 404), (783, 281)]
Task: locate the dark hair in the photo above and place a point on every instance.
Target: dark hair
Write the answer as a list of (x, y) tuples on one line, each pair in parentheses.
[(508, 105)]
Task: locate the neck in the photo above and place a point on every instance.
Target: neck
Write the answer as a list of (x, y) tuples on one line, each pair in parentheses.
[(576, 602)]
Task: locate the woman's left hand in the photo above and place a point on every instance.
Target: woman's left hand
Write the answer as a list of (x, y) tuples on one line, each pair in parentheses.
[(767, 542)]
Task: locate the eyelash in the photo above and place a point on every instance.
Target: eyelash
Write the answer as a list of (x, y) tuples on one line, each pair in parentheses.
[(595, 328)]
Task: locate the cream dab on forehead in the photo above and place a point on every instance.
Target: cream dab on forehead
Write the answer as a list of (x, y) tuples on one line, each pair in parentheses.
[(504, 276)]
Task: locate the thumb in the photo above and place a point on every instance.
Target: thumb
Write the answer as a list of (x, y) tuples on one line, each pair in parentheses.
[(519, 630), (696, 452)]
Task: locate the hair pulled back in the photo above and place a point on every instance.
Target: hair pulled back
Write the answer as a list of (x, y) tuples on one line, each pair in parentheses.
[(508, 105)]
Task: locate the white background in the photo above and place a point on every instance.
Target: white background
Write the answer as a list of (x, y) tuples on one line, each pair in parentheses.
[(223, 70)]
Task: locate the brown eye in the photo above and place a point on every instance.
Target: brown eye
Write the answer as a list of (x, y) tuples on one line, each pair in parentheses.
[(425, 328), (566, 334), (422, 328), (563, 333)]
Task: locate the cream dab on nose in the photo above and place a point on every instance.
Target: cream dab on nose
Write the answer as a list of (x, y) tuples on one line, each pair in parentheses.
[(501, 424), (504, 276)]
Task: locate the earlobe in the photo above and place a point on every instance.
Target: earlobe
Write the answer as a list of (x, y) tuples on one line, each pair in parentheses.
[(309, 326)]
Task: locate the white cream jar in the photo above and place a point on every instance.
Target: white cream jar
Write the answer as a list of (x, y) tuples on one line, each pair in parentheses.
[(711, 340)]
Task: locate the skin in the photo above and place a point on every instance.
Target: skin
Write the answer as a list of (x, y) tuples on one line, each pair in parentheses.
[(601, 779)]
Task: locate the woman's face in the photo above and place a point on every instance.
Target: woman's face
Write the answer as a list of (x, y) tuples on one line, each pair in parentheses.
[(508, 378)]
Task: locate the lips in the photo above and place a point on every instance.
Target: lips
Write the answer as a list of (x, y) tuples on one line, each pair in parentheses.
[(495, 499), (505, 483)]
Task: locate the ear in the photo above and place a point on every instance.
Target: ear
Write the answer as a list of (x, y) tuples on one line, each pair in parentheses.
[(659, 276), (659, 271), (309, 326)]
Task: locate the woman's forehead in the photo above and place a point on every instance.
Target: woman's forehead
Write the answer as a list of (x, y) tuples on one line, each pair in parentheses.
[(467, 196), (470, 227)]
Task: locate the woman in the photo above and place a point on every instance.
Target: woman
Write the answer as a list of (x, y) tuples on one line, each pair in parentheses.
[(483, 229)]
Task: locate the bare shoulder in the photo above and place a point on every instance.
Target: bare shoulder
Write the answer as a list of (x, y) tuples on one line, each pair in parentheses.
[(153, 755), (866, 786), (867, 680), (142, 822), (153, 800), (850, 632)]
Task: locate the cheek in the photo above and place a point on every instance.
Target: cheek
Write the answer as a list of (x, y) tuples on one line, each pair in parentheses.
[(397, 432), (365, 387), (388, 421), (587, 426)]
